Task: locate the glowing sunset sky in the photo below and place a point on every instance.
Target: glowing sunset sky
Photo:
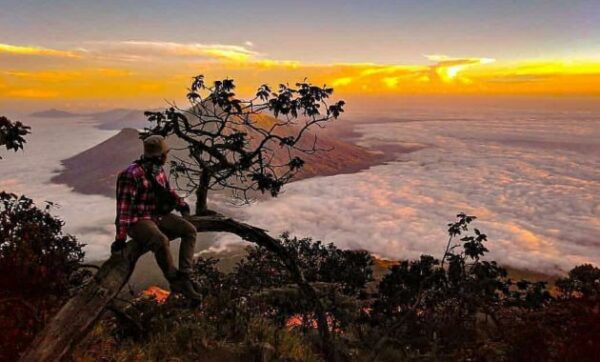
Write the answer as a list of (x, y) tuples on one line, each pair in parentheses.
[(137, 53)]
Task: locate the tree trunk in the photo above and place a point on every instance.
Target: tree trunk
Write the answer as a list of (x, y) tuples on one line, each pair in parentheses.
[(79, 314), (202, 193)]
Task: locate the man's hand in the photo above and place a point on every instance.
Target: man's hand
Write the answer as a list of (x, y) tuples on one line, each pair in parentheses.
[(185, 211), (117, 246)]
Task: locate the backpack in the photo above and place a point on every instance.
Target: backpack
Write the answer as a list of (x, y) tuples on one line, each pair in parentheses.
[(164, 200)]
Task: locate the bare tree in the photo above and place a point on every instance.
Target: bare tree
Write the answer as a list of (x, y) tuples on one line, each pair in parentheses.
[(232, 146), (243, 145)]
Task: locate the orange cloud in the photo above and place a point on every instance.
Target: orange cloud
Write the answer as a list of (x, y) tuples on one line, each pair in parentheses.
[(30, 50), (120, 70), (447, 68), (550, 77), (341, 82), (108, 84), (114, 72), (44, 76), (31, 93), (391, 82)]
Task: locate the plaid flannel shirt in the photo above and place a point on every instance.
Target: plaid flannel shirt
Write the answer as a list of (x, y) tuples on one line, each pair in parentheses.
[(136, 199)]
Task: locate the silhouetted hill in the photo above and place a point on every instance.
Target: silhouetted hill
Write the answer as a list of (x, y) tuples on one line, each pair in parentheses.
[(94, 171), (114, 119), (54, 113)]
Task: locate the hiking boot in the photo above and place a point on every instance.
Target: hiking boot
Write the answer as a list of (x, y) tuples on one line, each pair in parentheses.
[(195, 283), (198, 286), (117, 246), (183, 285)]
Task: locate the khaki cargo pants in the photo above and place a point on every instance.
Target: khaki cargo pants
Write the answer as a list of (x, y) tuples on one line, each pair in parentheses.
[(156, 235)]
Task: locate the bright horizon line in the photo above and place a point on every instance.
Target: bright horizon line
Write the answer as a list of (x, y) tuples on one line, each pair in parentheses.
[(146, 71)]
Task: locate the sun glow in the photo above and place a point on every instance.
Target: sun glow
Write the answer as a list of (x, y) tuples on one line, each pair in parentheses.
[(447, 74), (150, 71)]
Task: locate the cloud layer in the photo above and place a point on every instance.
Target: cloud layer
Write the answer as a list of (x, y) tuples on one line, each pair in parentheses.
[(533, 183), (531, 177), (28, 172)]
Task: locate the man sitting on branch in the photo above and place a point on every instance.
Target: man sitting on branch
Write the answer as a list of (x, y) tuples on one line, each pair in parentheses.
[(145, 201)]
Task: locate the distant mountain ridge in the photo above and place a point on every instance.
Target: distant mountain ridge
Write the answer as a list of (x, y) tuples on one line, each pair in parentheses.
[(54, 113), (120, 118), (113, 119)]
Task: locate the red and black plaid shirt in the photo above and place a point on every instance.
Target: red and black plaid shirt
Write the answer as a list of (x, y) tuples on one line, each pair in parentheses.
[(136, 199)]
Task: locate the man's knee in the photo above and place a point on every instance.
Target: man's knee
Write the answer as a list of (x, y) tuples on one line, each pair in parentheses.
[(187, 230), (158, 242)]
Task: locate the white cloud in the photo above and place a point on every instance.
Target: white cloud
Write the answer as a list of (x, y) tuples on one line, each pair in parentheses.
[(536, 200), (140, 49), (89, 217), (532, 179)]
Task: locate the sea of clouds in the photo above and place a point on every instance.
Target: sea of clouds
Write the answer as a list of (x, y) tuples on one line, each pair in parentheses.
[(532, 178), (28, 172)]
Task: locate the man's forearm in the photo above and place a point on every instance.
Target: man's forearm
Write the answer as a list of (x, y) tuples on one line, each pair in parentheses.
[(121, 234), (184, 209)]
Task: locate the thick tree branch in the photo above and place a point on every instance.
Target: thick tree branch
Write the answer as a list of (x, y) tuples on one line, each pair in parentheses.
[(78, 315)]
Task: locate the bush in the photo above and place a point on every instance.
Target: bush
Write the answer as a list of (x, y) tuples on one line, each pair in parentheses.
[(12, 134), (461, 307), (37, 261)]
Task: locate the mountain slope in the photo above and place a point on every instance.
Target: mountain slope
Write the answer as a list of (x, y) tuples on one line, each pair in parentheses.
[(94, 171)]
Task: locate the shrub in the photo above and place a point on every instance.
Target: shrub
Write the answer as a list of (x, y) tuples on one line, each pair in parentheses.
[(461, 307), (37, 261)]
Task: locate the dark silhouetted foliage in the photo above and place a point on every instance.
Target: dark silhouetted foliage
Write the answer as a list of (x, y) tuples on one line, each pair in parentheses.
[(351, 269), (583, 282), (468, 310), (244, 145), (37, 262), (423, 308), (12, 134)]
